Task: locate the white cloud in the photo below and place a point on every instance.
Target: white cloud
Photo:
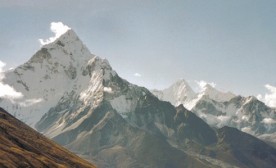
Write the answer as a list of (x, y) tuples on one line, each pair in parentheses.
[(269, 122), (202, 84), (7, 91), (259, 97), (30, 102), (137, 75), (2, 65), (269, 98), (58, 28)]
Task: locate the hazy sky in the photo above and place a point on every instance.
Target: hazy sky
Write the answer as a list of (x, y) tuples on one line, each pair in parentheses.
[(156, 42)]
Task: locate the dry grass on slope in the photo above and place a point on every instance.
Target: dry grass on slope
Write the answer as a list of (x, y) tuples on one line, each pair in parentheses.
[(21, 146)]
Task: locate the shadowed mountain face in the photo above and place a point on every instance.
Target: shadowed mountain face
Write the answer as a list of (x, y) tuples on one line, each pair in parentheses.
[(219, 109), (243, 149), (21, 146), (106, 138), (247, 114), (88, 108)]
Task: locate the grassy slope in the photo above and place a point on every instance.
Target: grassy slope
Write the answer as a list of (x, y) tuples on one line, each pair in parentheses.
[(21, 146)]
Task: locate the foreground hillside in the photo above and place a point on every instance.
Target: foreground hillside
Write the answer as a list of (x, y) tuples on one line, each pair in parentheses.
[(21, 146)]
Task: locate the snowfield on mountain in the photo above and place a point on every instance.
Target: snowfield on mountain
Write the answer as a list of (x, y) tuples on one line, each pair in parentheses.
[(79, 101)]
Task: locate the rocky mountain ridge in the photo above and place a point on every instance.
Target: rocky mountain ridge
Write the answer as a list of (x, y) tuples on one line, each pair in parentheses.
[(220, 109), (88, 108)]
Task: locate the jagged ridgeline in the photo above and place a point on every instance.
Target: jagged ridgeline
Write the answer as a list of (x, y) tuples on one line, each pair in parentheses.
[(220, 109), (79, 101)]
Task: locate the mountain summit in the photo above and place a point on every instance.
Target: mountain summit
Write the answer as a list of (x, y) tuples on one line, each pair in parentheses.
[(216, 95), (220, 109), (180, 92), (79, 101), (53, 70)]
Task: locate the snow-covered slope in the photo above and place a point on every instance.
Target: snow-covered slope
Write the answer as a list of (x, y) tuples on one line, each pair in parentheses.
[(48, 76), (89, 109), (220, 109), (181, 93), (245, 113), (178, 93), (216, 95), (94, 112)]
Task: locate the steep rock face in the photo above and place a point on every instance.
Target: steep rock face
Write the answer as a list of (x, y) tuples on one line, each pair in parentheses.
[(47, 76), (135, 104), (220, 109), (21, 146), (177, 124), (214, 94), (247, 114), (105, 119), (106, 138), (77, 99), (125, 119), (178, 93), (74, 104), (181, 93)]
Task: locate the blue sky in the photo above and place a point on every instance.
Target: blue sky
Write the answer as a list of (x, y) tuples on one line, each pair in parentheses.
[(231, 42)]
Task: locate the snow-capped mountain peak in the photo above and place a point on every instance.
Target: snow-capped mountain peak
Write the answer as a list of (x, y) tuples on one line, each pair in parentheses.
[(216, 95), (182, 84), (181, 88), (178, 93), (51, 74), (70, 44), (181, 93), (77, 99), (68, 36)]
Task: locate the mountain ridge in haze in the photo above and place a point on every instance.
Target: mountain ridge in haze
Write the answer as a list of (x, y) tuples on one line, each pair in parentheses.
[(220, 109)]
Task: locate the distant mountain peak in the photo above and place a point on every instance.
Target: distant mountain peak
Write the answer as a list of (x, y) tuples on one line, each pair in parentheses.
[(68, 36), (181, 82), (208, 87), (178, 93), (215, 94), (252, 98)]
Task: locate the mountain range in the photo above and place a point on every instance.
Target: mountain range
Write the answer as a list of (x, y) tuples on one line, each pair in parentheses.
[(79, 101), (219, 109)]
